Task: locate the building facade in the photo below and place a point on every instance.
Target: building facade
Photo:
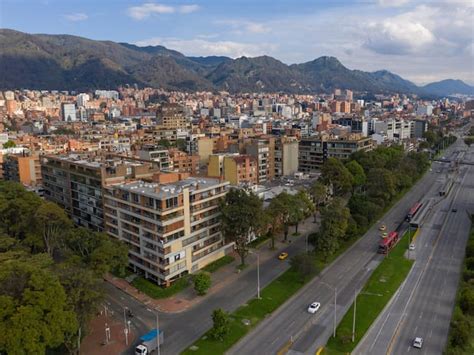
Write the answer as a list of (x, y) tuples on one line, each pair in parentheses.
[(314, 151), (172, 228)]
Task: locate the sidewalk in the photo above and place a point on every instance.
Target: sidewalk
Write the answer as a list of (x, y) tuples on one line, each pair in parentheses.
[(94, 343), (223, 277)]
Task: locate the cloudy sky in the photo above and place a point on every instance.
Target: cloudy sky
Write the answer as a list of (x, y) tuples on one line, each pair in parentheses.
[(421, 40)]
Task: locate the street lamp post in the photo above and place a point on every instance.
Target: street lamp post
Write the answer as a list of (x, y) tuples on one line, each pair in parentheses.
[(157, 330), (354, 316), (335, 306), (258, 273)]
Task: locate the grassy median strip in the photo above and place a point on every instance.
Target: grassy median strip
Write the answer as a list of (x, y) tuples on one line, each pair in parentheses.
[(377, 292)]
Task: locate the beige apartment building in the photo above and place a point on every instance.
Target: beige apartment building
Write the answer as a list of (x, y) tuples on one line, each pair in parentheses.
[(314, 151), (172, 116), (171, 227)]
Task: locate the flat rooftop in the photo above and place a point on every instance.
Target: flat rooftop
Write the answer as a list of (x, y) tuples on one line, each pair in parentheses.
[(167, 190)]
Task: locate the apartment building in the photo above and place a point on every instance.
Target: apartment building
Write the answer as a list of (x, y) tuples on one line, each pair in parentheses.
[(286, 156), (172, 227), (76, 181), (172, 116), (314, 151), (234, 167), (183, 162), (158, 154), (23, 169), (263, 149)]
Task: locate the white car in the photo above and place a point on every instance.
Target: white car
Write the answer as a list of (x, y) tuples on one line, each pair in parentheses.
[(418, 342), (412, 246), (314, 307)]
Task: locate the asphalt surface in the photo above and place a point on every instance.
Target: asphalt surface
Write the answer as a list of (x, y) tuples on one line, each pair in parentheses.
[(423, 305), (182, 329), (292, 325)]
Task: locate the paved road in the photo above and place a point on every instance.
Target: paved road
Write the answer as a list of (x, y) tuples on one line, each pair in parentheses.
[(423, 305), (292, 324), (182, 329)]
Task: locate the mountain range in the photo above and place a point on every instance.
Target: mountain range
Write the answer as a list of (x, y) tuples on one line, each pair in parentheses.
[(64, 62)]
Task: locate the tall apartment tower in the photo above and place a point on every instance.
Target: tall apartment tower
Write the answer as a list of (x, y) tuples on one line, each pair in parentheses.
[(172, 116), (68, 112), (172, 228)]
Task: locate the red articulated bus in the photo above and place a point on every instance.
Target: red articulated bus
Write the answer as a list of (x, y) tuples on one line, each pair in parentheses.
[(388, 243), (416, 207)]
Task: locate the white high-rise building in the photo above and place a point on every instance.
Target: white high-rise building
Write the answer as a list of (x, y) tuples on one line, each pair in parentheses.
[(82, 99), (68, 112)]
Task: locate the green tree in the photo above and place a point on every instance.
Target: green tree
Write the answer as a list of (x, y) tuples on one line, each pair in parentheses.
[(301, 207), (334, 222), (335, 173), (381, 183), (357, 172), (34, 312), (221, 324), (318, 192), (9, 144), (202, 283), (460, 331), (304, 265), (53, 225), (279, 208), (466, 301), (468, 141), (164, 143), (181, 144), (241, 216)]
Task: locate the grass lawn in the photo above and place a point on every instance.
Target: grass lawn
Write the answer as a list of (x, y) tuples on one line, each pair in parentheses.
[(378, 290), (216, 265), (272, 297), (459, 318), (153, 290)]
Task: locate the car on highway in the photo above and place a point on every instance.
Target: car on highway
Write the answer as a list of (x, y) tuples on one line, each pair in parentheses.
[(382, 227), (314, 307), (412, 246), (384, 235), (454, 210), (283, 256), (418, 343)]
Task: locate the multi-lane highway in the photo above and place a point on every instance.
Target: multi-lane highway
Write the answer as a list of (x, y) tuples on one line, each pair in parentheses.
[(182, 329), (292, 327), (423, 305)]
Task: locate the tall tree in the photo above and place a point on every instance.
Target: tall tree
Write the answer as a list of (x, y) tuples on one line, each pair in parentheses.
[(241, 216), (53, 225), (34, 312), (301, 208), (357, 172), (279, 209), (335, 173)]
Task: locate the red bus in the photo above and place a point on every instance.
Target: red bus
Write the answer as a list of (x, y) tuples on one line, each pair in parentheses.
[(388, 243), (416, 207)]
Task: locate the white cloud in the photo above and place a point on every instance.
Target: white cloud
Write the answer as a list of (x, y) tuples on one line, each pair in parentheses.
[(201, 47), (187, 9), (393, 3), (146, 10), (244, 26), (75, 17), (395, 36)]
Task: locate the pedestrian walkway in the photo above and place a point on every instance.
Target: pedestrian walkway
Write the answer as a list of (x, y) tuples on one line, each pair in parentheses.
[(95, 342), (222, 278)]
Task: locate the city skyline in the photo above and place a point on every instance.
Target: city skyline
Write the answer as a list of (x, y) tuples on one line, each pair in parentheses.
[(421, 41)]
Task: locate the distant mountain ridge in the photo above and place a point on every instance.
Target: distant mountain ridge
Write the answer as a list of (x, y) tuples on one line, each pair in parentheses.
[(74, 63)]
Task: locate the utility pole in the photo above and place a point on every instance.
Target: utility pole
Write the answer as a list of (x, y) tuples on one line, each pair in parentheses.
[(335, 311), (157, 332), (258, 275), (354, 316)]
